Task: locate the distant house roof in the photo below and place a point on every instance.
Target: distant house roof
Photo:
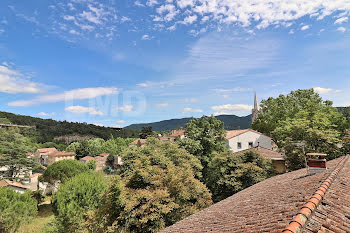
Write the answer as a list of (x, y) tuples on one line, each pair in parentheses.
[(138, 142), (177, 133), (36, 175), (47, 150), (271, 205), (61, 154), (87, 158), (267, 153), (6, 183), (104, 154), (234, 133)]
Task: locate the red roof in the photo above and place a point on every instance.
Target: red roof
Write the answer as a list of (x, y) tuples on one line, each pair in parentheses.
[(61, 154), (177, 133), (270, 205), (138, 142), (234, 133), (47, 150), (87, 158), (6, 183)]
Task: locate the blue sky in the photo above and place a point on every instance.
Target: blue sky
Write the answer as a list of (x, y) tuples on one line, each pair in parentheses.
[(115, 63)]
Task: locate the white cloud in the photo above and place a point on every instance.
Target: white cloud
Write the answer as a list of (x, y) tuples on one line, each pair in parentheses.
[(138, 3), (152, 3), (194, 110), (98, 124), (291, 31), (190, 19), (322, 90), (167, 12), (228, 109), (341, 29), (126, 108), (305, 27), (117, 126), (12, 82), (125, 19), (162, 105), (81, 109), (145, 37), (76, 94), (248, 12), (46, 114), (121, 121), (341, 20)]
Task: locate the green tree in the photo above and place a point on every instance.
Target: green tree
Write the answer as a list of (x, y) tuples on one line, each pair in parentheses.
[(159, 189), (91, 165), (206, 135), (301, 122), (76, 198), (146, 131), (15, 209), (15, 147), (230, 173), (63, 170)]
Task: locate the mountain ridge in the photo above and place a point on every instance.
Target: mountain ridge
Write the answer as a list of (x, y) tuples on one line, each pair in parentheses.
[(230, 122)]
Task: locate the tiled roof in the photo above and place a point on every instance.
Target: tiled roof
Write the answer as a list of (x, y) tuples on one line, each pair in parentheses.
[(267, 153), (177, 133), (138, 141), (47, 150), (61, 154), (87, 158), (234, 133), (270, 205), (5, 183)]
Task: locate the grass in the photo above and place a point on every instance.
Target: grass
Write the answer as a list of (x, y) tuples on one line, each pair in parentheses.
[(38, 224)]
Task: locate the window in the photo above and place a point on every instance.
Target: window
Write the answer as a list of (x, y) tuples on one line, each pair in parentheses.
[(239, 145), (250, 144)]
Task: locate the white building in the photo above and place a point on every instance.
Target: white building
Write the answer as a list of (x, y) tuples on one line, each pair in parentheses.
[(244, 139)]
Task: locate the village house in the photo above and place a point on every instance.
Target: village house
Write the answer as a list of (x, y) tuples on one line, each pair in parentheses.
[(289, 203), (101, 161), (174, 136), (17, 187), (48, 156), (243, 139)]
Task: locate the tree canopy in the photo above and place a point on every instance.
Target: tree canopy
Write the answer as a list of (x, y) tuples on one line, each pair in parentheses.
[(64, 170), (15, 209), (76, 198), (158, 189), (231, 173)]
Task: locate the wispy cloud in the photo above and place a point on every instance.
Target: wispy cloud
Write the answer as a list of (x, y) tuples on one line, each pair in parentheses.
[(46, 114), (13, 81), (305, 27), (81, 109), (341, 20), (322, 90), (163, 105), (76, 94), (228, 109), (126, 108), (193, 110), (341, 29)]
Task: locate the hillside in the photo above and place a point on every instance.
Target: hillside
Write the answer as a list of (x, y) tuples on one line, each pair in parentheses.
[(230, 122), (47, 129)]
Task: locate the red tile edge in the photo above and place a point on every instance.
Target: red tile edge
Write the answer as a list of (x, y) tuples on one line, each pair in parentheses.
[(299, 221)]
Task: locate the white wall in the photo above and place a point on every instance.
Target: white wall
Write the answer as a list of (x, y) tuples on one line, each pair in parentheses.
[(250, 136)]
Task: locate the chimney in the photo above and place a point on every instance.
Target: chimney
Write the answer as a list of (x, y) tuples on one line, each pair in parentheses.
[(316, 163)]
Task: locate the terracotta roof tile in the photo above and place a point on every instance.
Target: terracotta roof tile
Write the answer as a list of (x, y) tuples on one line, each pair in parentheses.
[(87, 158), (270, 205), (47, 150), (177, 133), (6, 183)]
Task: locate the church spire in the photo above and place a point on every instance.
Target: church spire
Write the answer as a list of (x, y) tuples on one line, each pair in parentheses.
[(255, 110)]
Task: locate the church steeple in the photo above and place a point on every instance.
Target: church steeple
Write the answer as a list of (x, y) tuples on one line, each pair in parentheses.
[(256, 109)]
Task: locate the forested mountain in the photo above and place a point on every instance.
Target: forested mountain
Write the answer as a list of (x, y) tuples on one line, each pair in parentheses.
[(230, 122), (47, 129)]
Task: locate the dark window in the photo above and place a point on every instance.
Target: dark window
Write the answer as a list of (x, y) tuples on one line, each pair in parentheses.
[(250, 144), (239, 145)]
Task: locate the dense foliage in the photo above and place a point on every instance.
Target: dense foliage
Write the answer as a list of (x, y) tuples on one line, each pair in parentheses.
[(205, 136), (74, 199), (160, 189), (230, 173), (14, 148), (63, 170), (47, 129), (15, 209), (301, 122), (94, 147)]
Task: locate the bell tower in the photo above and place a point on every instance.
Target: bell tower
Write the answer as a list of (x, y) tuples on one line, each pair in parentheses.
[(256, 109)]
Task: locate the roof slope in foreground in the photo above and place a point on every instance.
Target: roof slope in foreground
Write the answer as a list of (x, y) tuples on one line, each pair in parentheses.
[(270, 205)]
